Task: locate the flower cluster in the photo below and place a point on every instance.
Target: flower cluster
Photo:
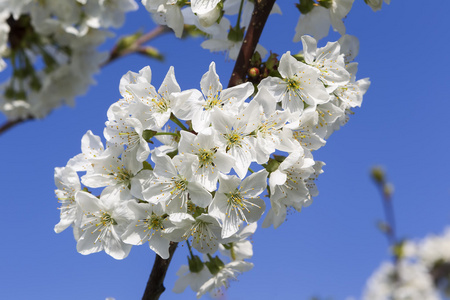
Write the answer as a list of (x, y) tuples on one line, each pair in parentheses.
[(209, 17), (215, 153), (52, 47), (404, 281), (422, 270)]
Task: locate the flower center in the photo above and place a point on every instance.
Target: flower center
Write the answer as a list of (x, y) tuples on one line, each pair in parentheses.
[(205, 157), (212, 101), (155, 223), (106, 220), (236, 199), (160, 104), (292, 84), (123, 176), (180, 185), (233, 139)]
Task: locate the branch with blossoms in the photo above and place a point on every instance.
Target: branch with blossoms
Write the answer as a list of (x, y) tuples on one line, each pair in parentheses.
[(184, 165), (215, 152), (20, 111)]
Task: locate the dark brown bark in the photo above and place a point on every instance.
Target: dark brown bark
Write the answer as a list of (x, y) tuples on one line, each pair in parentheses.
[(155, 285), (9, 124), (259, 18)]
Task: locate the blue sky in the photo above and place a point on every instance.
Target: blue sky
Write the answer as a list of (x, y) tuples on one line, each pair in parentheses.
[(329, 249)]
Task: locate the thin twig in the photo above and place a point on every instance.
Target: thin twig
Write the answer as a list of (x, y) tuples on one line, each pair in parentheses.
[(137, 45), (10, 124), (155, 285), (259, 18)]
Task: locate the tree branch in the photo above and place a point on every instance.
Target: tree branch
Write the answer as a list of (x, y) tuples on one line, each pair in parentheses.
[(259, 18), (155, 285), (137, 46), (10, 124)]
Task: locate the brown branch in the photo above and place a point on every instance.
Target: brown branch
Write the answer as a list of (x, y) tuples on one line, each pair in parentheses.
[(155, 285), (137, 45), (259, 18), (10, 124)]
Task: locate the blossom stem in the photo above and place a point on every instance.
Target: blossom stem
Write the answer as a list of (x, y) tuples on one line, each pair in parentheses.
[(168, 133), (190, 249), (232, 253), (238, 23), (259, 18), (178, 122), (155, 285)]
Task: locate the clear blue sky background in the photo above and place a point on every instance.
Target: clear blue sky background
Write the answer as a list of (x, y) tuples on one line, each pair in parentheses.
[(330, 248)]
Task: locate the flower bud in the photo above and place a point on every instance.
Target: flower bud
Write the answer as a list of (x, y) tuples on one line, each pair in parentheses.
[(253, 72), (378, 175), (151, 52), (127, 41)]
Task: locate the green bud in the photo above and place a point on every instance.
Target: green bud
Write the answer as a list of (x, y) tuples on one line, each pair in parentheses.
[(195, 264), (151, 52), (378, 175), (128, 41), (305, 6), (399, 250)]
